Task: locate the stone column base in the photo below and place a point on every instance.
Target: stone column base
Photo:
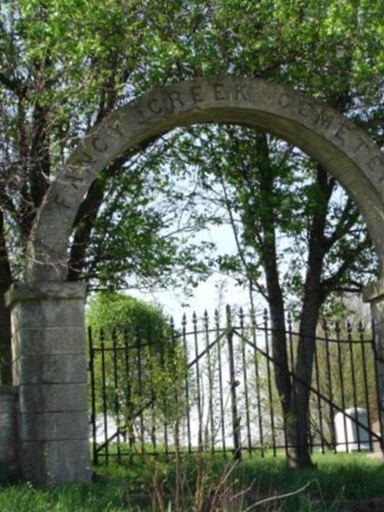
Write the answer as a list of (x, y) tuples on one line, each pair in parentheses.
[(48, 346)]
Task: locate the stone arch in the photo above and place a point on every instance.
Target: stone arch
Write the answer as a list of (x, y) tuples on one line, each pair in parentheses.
[(330, 138)]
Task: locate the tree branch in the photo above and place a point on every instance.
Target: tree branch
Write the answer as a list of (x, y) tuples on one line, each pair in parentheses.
[(331, 282), (347, 219)]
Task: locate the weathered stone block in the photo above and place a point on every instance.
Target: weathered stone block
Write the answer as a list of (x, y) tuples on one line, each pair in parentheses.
[(8, 397), (51, 369), (54, 462), (50, 313), (8, 432), (8, 426), (36, 398), (38, 341), (42, 291), (8, 452), (7, 417), (54, 426)]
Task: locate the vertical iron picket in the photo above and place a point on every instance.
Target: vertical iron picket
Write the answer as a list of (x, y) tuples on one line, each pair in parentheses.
[(233, 384), (330, 387), (319, 412), (104, 394), (220, 370), (176, 431), (305, 381), (293, 374), (210, 382), (188, 405), (245, 381), (353, 376), (139, 355), (365, 379), (116, 396), (341, 375), (163, 366), (290, 342), (257, 378), (198, 390), (151, 348), (269, 377), (93, 395), (128, 395)]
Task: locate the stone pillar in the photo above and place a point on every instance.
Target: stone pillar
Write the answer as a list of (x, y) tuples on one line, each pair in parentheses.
[(48, 346), (374, 294)]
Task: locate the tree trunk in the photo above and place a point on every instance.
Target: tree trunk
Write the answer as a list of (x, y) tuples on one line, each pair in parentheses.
[(298, 430), (279, 344), (270, 264), (5, 317)]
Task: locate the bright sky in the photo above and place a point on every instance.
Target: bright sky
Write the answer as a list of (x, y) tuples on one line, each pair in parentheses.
[(215, 292)]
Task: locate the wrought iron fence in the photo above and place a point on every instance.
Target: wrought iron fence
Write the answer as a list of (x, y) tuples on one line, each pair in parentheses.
[(210, 385)]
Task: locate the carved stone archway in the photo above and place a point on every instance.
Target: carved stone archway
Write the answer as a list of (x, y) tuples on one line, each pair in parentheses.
[(50, 311)]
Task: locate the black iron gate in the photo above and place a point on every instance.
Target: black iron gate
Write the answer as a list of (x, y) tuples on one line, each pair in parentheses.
[(209, 385)]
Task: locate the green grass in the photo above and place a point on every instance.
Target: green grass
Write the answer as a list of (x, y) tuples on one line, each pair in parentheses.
[(353, 476), (335, 477), (96, 497), (358, 475)]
